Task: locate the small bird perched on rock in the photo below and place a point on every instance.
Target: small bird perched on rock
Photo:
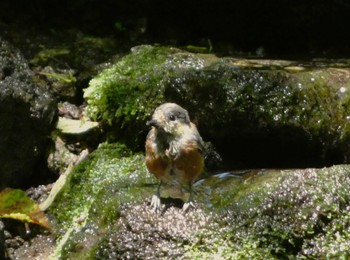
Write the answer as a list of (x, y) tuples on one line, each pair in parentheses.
[(174, 149)]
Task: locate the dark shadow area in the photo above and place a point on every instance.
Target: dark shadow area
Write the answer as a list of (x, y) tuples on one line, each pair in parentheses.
[(287, 148), (272, 28)]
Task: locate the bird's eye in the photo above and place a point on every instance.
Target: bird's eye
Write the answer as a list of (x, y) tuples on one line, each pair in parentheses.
[(172, 117)]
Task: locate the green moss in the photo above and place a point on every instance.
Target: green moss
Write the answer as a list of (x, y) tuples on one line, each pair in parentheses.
[(126, 94), (127, 90), (222, 248), (111, 164), (292, 214), (94, 193)]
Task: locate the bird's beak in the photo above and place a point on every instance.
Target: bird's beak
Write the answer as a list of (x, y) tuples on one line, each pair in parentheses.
[(154, 123)]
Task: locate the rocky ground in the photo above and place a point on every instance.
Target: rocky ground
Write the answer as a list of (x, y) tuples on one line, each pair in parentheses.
[(143, 233), (30, 242)]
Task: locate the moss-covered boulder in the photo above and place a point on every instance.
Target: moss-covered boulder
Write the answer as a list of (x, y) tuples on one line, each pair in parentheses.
[(256, 112), (103, 212), (125, 94), (283, 214), (93, 195)]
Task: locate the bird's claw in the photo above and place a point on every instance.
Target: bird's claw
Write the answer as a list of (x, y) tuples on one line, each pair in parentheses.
[(155, 203), (187, 206)]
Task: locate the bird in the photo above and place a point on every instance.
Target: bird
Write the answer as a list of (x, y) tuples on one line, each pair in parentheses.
[(174, 150)]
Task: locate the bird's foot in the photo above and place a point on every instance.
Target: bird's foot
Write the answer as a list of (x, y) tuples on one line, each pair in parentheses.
[(155, 203), (187, 205)]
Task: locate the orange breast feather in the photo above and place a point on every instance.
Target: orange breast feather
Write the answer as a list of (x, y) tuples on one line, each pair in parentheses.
[(190, 163), (158, 165)]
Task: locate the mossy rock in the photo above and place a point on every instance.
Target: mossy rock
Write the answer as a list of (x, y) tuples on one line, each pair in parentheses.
[(112, 165), (103, 211), (282, 215), (279, 113), (124, 97), (94, 192)]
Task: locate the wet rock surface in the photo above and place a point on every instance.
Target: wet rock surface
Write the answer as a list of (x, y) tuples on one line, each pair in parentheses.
[(255, 213), (272, 113), (27, 117), (38, 248), (144, 234), (39, 193)]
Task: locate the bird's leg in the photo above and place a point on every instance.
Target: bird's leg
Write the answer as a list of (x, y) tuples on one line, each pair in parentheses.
[(155, 202), (189, 203)]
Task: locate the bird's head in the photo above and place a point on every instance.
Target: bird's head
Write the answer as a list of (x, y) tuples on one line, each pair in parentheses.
[(170, 118)]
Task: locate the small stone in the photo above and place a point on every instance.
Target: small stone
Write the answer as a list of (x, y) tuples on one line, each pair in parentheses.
[(75, 127)]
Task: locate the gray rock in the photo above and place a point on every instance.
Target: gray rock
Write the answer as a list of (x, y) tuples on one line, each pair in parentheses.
[(2, 240), (27, 115)]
